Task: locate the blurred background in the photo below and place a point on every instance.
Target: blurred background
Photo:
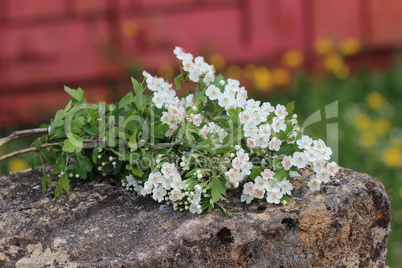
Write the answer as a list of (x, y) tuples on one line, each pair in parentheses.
[(316, 52)]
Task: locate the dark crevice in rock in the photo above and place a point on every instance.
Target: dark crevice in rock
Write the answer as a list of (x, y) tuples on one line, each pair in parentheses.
[(225, 235)]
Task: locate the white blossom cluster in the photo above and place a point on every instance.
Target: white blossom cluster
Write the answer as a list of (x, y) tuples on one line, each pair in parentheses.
[(263, 126), (240, 168), (167, 185), (266, 186), (195, 67)]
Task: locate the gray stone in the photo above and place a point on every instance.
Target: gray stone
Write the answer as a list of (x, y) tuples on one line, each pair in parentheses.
[(100, 224)]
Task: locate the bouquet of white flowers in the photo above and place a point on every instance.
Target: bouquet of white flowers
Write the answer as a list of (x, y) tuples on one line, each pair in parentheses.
[(185, 151)]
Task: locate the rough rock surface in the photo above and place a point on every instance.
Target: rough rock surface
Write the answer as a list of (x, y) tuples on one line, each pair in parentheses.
[(98, 224)]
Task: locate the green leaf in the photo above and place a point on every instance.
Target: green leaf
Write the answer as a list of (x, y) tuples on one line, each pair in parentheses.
[(137, 172), (33, 161), (77, 94), (60, 163), (217, 189), (132, 143), (68, 147), (222, 209), (44, 181), (78, 123), (58, 120), (73, 143), (290, 107), (285, 149), (234, 115), (140, 99), (83, 165), (281, 174), (255, 171), (38, 143), (285, 200), (177, 81), (62, 184)]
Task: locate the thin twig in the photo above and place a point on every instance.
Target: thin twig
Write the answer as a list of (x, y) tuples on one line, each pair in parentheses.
[(46, 145), (27, 150), (22, 133)]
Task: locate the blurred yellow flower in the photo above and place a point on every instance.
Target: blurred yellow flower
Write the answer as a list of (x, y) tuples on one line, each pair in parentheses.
[(368, 139), (363, 122), (248, 71), (218, 61), (166, 70), (292, 58), (333, 62), (323, 46), (392, 157), (280, 76), (382, 126), (130, 28), (17, 164), (262, 79), (375, 100), (342, 72), (234, 72), (350, 46)]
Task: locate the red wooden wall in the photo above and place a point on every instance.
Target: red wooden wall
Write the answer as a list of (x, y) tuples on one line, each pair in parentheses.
[(45, 44)]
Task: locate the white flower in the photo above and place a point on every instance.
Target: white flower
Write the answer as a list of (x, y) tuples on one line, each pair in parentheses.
[(177, 183), (274, 197), (332, 168), (245, 117), (248, 188), (159, 194), (267, 174), (176, 195), (179, 52), (155, 178), (267, 107), (147, 189), (286, 187), (260, 182), (259, 193), (253, 105), (205, 130), (213, 93), (197, 189), (314, 184), (287, 162), (323, 176), (168, 169), (194, 209), (304, 142), (251, 143), (265, 129), (280, 111), (262, 140), (299, 160), (246, 198), (131, 181), (273, 186), (278, 124), (319, 166), (274, 144), (233, 176), (197, 120)]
